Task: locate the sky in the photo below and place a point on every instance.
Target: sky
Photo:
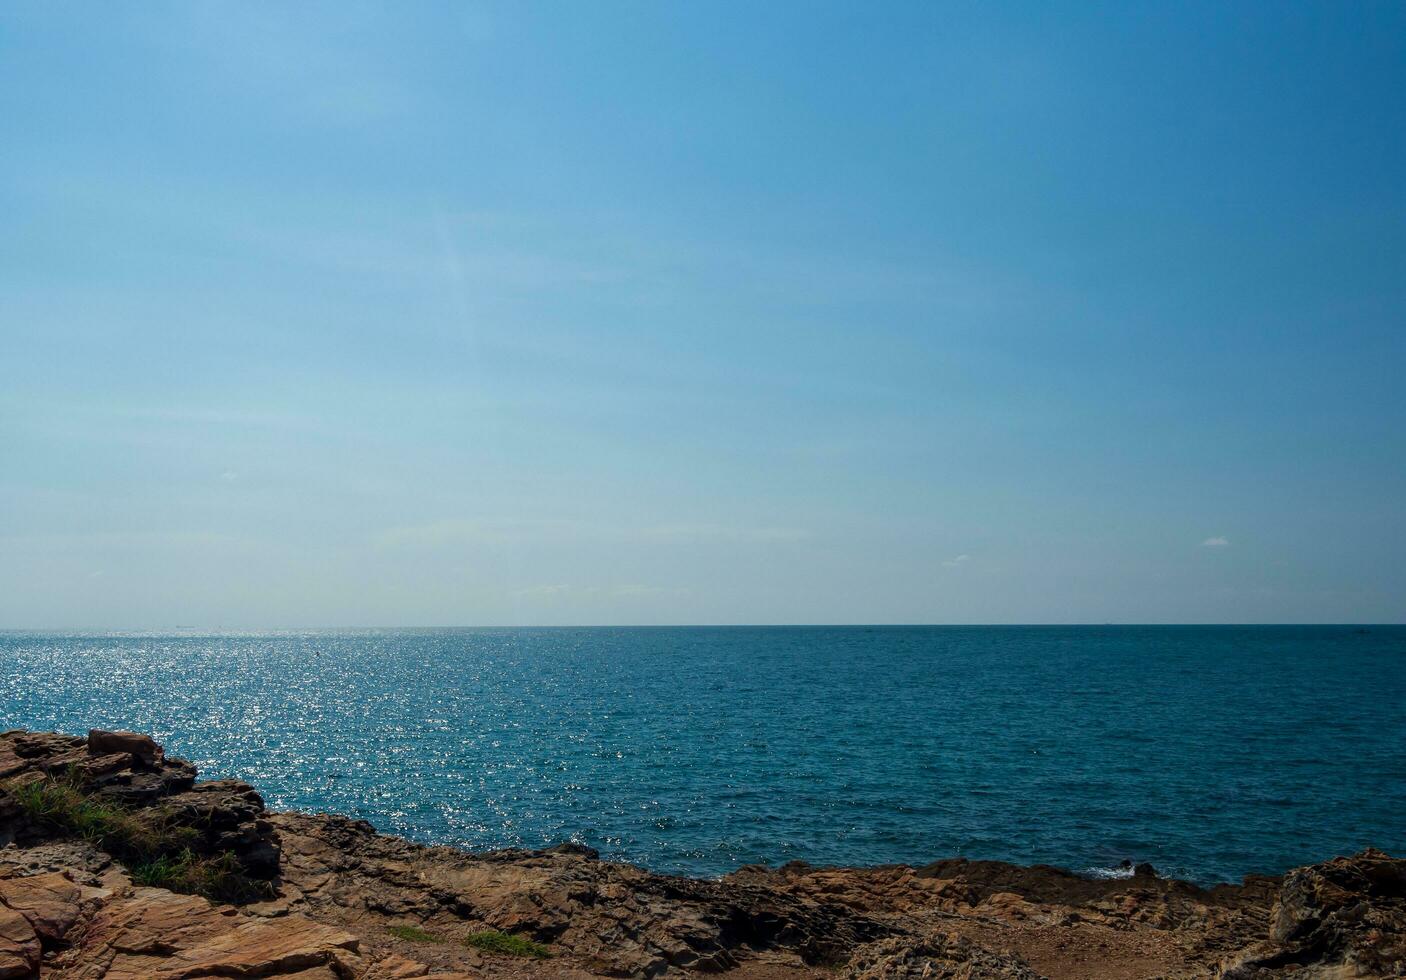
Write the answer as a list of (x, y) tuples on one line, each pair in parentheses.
[(469, 314)]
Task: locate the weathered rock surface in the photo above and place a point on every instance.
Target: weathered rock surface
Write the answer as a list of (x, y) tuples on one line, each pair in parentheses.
[(131, 770), (935, 957), (615, 919), (229, 816), (144, 747), (346, 903), (152, 934), (53, 926), (133, 774), (1342, 918)]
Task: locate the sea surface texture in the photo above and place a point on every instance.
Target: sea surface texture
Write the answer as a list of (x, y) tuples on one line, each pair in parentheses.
[(1210, 751)]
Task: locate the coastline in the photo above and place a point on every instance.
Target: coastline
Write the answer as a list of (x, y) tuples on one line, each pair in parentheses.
[(87, 823), (696, 752)]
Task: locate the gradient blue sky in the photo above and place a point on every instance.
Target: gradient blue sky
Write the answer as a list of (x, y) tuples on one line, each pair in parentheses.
[(438, 314)]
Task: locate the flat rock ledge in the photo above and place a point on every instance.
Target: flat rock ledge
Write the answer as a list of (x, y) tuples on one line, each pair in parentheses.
[(338, 901)]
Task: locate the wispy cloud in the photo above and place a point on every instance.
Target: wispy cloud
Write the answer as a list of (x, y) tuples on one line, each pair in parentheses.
[(958, 561), (1216, 542)]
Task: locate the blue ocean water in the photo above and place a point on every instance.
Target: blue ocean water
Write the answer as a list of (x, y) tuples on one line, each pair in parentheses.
[(1210, 751)]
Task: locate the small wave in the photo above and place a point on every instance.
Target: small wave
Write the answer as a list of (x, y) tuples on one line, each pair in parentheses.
[(1108, 874)]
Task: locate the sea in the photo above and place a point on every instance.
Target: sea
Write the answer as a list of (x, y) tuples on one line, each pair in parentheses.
[(1211, 752)]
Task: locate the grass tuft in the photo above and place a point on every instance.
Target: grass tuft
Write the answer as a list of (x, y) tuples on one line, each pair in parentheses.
[(493, 941), (413, 934), (156, 851), (60, 804), (220, 878)]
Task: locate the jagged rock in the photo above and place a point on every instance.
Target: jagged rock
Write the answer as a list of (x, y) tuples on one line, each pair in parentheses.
[(1342, 918), (133, 771), (621, 920), (229, 815), (22, 752), (139, 785), (1315, 900), (938, 957), (115, 773)]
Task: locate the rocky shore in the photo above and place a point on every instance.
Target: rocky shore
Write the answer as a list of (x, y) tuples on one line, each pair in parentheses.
[(117, 864)]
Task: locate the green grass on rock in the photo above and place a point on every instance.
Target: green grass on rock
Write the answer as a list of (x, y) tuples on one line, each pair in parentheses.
[(492, 941), (156, 851), (413, 934)]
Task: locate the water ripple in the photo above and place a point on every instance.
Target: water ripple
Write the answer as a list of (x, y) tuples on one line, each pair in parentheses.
[(1211, 752)]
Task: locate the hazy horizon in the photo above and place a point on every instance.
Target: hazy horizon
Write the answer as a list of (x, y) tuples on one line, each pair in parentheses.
[(552, 314), (284, 630)]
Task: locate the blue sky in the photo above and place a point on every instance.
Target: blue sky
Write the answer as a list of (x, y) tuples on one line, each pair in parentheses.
[(465, 314)]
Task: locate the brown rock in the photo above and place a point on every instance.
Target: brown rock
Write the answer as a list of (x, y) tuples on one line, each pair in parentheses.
[(133, 771), (398, 968), (105, 765), (141, 787), (229, 816), (127, 768), (1314, 897), (67, 908), (144, 747), (50, 902), (939, 957), (80, 861), (1346, 916), (19, 946), (36, 913), (1008, 905), (619, 920), (152, 934)]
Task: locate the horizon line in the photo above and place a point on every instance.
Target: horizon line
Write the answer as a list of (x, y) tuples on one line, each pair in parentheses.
[(98, 630)]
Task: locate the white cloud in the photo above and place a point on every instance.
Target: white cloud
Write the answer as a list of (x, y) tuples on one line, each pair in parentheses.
[(1217, 542), (958, 561)]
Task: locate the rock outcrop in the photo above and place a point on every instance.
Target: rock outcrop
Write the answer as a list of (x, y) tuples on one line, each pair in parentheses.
[(1342, 918), (131, 772), (342, 902), (614, 919)]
